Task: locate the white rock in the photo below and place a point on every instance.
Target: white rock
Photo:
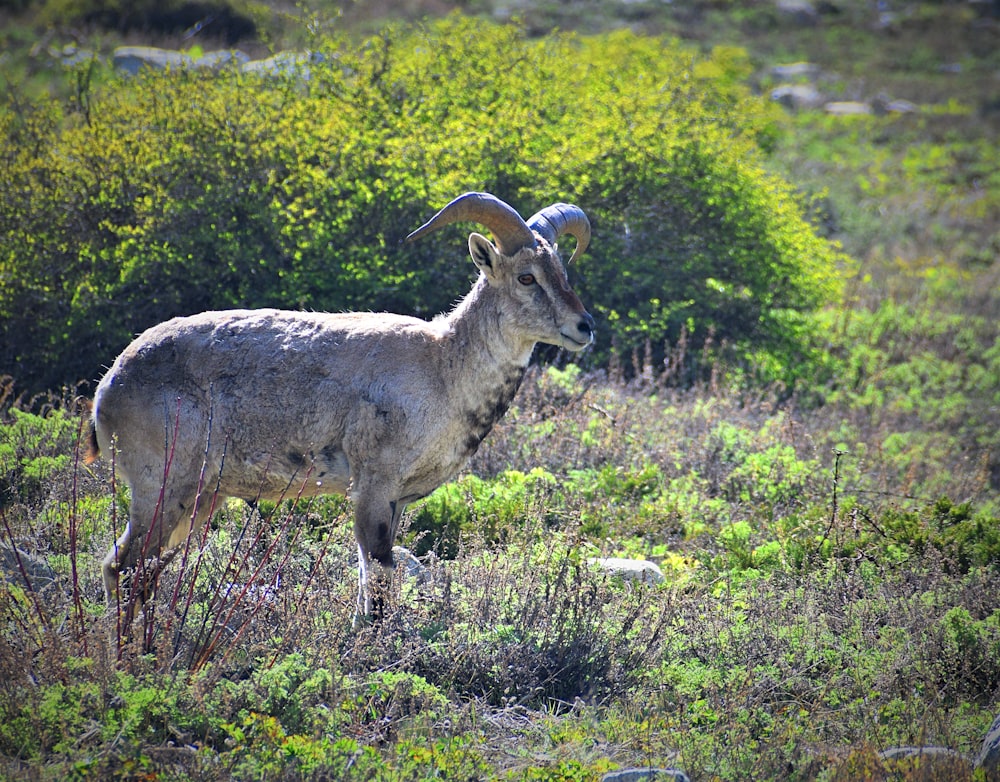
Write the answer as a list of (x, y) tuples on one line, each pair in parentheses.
[(630, 569), (221, 57), (16, 565), (798, 96), (414, 568), (289, 63), (901, 107), (845, 108), (795, 70), (646, 775), (801, 11), (132, 59)]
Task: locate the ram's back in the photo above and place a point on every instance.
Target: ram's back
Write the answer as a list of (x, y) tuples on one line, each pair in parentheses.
[(270, 395)]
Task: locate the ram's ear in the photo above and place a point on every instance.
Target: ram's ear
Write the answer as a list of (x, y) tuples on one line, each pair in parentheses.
[(484, 254)]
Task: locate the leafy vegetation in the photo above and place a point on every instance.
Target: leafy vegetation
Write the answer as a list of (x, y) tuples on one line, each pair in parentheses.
[(806, 445), (180, 192), (802, 613)]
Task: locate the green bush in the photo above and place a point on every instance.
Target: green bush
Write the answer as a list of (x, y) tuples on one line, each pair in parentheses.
[(183, 191), (33, 450), (918, 372), (492, 510)]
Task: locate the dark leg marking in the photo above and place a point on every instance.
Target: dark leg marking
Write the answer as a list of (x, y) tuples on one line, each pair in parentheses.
[(382, 550)]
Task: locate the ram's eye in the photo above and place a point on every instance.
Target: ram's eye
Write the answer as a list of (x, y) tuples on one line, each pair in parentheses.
[(526, 279)]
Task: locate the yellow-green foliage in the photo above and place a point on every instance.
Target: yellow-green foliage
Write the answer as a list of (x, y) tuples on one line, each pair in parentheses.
[(173, 193), (33, 449)]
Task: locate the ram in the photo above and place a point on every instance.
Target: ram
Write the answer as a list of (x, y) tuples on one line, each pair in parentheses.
[(264, 404)]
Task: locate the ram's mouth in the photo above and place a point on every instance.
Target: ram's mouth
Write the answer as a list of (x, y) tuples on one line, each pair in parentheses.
[(574, 344)]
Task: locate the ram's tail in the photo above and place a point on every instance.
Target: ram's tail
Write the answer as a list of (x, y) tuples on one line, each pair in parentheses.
[(91, 448)]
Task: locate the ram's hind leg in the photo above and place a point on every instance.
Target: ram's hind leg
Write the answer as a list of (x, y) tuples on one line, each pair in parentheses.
[(159, 523), (112, 564)]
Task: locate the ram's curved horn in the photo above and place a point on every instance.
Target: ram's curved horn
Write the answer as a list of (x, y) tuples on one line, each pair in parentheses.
[(509, 230), (558, 219)]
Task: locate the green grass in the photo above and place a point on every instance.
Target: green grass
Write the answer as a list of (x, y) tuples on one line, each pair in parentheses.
[(830, 551), (810, 611)]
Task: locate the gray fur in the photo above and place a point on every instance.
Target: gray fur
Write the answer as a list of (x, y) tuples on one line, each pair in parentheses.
[(271, 403)]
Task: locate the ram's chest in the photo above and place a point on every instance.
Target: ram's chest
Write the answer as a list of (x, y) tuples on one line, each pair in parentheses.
[(461, 438), (480, 417), (427, 474)]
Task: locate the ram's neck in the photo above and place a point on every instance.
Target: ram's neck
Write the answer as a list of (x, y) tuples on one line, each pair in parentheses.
[(484, 334), (486, 361)]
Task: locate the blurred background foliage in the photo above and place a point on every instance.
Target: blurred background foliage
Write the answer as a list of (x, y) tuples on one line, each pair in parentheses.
[(138, 199)]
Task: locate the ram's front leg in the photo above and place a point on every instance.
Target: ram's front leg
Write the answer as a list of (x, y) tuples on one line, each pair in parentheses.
[(376, 522)]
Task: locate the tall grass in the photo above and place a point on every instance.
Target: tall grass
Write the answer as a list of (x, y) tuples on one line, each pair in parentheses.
[(796, 627)]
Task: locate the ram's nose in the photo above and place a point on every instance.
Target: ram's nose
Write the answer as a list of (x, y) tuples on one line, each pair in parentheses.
[(583, 336)]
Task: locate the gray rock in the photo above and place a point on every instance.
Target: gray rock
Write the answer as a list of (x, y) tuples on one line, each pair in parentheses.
[(798, 96), (795, 70), (901, 107), (629, 569), (132, 59), (70, 55), (883, 104), (36, 570), (413, 567), (989, 755), (221, 58), (847, 108), (799, 11), (644, 774), (886, 21), (283, 63)]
